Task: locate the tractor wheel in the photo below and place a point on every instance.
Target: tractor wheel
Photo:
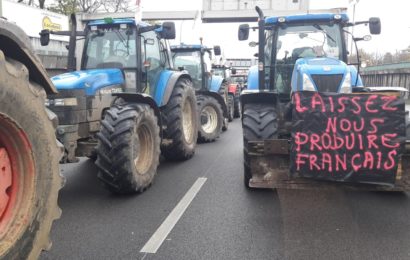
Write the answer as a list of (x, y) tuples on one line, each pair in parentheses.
[(260, 122), (211, 119), (237, 108), (407, 125), (225, 124), (181, 123), (29, 169), (231, 108), (128, 148)]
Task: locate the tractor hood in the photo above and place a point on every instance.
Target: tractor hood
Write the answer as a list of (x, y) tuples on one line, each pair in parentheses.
[(322, 74), (89, 80)]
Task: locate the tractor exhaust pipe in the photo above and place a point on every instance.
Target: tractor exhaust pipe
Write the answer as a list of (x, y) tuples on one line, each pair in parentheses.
[(261, 51), (72, 64)]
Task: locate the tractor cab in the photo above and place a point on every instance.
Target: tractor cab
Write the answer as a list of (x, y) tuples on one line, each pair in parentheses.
[(223, 71), (305, 53), (196, 59), (211, 90), (137, 49)]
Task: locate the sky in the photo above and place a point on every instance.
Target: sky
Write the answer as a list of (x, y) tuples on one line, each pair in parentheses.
[(394, 15)]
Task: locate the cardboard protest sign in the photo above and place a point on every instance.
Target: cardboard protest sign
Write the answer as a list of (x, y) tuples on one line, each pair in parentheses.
[(347, 137)]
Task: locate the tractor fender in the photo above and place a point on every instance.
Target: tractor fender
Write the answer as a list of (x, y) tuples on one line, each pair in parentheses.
[(253, 78), (141, 98), (16, 45), (215, 83), (165, 88), (251, 96), (218, 97)]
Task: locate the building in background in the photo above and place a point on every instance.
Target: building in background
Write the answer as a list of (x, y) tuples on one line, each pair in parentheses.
[(32, 20)]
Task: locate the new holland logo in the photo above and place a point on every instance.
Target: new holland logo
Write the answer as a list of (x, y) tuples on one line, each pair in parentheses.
[(49, 25), (327, 68)]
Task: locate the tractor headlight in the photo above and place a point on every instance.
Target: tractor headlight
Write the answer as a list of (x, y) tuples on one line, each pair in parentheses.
[(307, 83), (69, 102), (347, 84)]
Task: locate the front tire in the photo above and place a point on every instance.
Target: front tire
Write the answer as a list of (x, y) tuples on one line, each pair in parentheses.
[(260, 122), (128, 148), (237, 108), (210, 119), (181, 122), (29, 165), (231, 108)]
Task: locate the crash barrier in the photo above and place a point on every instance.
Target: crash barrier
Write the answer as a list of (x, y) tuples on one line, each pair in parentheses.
[(397, 75), (54, 64)]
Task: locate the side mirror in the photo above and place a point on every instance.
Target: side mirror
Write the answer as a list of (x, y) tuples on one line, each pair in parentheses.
[(364, 38), (243, 32), (44, 37), (217, 50), (253, 44), (233, 71), (168, 30), (375, 25)]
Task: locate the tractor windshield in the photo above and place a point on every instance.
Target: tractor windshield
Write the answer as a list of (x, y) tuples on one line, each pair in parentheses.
[(191, 62), (295, 42), (221, 71), (110, 47)]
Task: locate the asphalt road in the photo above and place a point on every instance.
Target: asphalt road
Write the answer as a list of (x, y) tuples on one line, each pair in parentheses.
[(224, 220)]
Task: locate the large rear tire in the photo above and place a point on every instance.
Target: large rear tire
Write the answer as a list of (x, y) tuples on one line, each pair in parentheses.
[(181, 123), (210, 116), (260, 122), (128, 148), (29, 169)]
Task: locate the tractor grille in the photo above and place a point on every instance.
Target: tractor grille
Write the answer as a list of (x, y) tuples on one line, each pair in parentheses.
[(327, 83)]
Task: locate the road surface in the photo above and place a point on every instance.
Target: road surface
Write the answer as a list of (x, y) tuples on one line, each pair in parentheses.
[(200, 209)]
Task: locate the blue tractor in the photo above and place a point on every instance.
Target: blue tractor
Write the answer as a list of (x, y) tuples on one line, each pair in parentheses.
[(296, 53), (211, 90), (126, 104)]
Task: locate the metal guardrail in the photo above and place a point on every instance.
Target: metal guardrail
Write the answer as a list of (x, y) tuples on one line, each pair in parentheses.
[(395, 75)]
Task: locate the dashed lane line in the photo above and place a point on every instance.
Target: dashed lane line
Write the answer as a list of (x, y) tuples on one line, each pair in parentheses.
[(166, 227)]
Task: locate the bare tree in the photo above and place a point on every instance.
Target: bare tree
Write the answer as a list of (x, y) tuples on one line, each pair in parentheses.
[(72, 6), (116, 6), (40, 2), (65, 7), (89, 6)]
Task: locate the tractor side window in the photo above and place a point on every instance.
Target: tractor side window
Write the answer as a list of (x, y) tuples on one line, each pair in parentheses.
[(164, 54), (268, 57), (152, 59), (207, 62), (92, 54), (208, 69)]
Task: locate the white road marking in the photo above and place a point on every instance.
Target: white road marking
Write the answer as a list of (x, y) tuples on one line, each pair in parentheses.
[(162, 232)]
